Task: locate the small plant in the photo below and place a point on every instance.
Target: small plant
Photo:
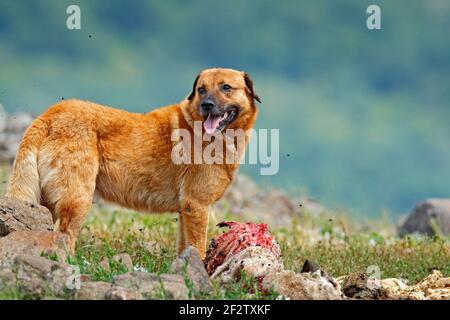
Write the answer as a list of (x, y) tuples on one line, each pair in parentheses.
[(52, 255)]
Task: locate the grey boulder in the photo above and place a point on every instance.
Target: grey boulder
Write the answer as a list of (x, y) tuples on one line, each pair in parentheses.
[(153, 286), (17, 215), (190, 265), (429, 217)]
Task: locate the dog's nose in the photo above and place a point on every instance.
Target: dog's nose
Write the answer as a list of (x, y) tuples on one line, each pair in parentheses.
[(207, 106)]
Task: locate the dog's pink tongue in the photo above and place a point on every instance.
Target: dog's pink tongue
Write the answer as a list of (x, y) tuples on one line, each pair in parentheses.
[(211, 123)]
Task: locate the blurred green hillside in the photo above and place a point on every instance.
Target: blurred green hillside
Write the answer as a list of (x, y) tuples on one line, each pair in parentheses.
[(363, 115)]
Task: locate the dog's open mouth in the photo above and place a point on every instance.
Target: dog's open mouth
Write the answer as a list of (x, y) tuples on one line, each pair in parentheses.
[(215, 122)]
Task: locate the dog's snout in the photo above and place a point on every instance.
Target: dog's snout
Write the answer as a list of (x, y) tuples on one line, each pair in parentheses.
[(207, 105)]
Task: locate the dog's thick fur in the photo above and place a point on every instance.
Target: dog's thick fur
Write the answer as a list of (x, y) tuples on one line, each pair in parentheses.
[(78, 148)]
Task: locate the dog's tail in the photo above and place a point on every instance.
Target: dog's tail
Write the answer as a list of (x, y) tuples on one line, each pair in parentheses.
[(24, 180)]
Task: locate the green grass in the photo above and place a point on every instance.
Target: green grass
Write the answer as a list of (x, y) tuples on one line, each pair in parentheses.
[(410, 259), (12, 294), (339, 244), (106, 234)]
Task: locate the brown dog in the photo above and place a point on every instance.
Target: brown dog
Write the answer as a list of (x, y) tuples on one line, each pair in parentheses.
[(77, 148)]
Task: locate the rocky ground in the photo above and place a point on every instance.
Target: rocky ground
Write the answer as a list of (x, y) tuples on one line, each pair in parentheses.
[(117, 260)]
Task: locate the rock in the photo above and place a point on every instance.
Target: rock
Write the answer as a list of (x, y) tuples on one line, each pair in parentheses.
[(37, 243), (273, 206), (11, 132), (39, 276), (428, 217), (310, 266), (242, 189), (433, 287), (101, 290), (244, 198), (93, 290), (302, 286), (394, 288), (18, 215), (18, 123), (174, 287), (152, 286), (119, 293), (123, 259), (360, 286), (190, 264)]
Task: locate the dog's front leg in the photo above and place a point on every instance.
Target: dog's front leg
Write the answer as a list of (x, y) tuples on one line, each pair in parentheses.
[(193, 225)]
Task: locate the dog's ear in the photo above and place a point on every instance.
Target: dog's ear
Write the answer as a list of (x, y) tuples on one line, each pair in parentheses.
[(249, 84), (192, 94)]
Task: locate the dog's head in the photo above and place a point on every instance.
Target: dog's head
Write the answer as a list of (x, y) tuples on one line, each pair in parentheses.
[(222, 98)]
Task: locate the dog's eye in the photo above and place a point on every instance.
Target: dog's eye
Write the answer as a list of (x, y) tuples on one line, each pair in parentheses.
[(226, 87), (201, 90)]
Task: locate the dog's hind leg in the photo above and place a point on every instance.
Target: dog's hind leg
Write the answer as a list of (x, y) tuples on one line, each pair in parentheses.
[(68, 178), (72, 210)]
